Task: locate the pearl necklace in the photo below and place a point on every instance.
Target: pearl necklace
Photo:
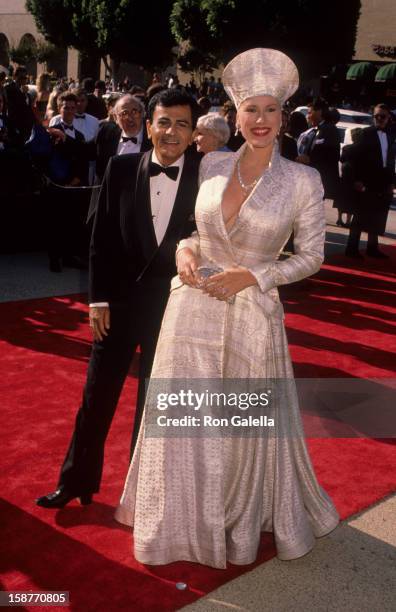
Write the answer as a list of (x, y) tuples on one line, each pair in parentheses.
[(250, 186)]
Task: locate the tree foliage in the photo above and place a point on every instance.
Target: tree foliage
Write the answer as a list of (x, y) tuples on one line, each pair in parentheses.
[(127, 30), (315, 34)]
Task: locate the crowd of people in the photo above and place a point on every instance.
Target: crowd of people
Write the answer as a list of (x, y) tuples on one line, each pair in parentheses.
[(67, 131)]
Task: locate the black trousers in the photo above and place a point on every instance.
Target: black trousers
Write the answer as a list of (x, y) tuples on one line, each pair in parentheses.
[(133, 324), (354, 240)]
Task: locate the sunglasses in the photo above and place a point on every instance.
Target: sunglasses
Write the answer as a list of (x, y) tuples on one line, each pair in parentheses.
[(380, 116)]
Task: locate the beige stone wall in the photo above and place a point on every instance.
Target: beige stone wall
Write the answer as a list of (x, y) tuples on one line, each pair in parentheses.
[(377, 26), (15, 21)]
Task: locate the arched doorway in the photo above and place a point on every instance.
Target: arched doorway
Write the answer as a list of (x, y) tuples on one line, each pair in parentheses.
[(28, 41), (4, 48)]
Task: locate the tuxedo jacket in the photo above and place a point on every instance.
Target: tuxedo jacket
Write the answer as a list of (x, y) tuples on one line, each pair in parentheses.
[(369, 164), (107, 141), (75, 152), (124, 254), (324, 156)]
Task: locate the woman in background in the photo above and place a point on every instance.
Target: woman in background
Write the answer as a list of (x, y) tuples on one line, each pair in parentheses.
[(212, 133)]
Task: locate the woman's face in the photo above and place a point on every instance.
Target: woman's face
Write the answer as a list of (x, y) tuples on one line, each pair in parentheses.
[(205, 140), (259, 119)]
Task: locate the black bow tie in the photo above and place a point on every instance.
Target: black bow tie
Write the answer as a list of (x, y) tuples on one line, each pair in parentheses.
[(129, 138), (68, 127), (381, 130), (170, 171), (80, 116)]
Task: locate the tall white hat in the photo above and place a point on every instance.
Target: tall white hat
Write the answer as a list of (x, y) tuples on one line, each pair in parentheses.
[(259, 72)]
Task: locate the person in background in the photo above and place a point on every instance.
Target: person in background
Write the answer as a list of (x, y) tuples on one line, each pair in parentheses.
[(204, 104), (111, 101), (212, 133), (52, 106), (229, 113), (67, 168), (297, 124), (347, 199), (374, 170), (19, 105), (287, 144), (43, 85), (94, 91), (127, 134), (319, 147)]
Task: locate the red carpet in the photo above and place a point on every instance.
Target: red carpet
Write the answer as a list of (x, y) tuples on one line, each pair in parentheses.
[(340, 324)]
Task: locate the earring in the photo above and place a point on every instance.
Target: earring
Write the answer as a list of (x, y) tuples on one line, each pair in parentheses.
[(236, 130)]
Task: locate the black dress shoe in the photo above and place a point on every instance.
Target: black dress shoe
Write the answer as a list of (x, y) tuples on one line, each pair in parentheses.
[(377, 254), (61, 497)]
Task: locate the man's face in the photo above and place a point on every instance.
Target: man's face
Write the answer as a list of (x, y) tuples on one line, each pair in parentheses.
[(314, 117), (171, 132), (82, 103), (67, 111), (381, 118), (129, 116)]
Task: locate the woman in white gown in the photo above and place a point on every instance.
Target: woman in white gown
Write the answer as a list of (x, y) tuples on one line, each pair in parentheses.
[(206, 499)]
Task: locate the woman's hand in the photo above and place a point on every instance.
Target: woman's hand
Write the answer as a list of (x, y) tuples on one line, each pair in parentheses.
[(187, 266), (226, 284)]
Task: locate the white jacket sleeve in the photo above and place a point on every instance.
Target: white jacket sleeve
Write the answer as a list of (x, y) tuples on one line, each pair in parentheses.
[(309, 236)]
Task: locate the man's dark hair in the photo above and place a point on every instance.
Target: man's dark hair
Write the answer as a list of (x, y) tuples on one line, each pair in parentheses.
[(100, 84), (80, 92), (319, 104), (20, 70), (66, 96), (173, 97), (332, 115), (383, 106), (88, 84)]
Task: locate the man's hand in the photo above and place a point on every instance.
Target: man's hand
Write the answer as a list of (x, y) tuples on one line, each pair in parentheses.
[(187, 266), (99, 321), (56, 134)]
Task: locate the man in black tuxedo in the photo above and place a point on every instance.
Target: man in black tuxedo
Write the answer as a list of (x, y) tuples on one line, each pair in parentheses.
[(145, 207), (374, 171), (319, 146), (127, 135)]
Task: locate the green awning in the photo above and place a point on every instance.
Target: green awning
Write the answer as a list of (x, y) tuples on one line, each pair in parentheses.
[(386, 73), (361, 70)]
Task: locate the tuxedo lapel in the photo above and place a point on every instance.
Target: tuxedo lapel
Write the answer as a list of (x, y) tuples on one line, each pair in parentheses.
[(183, 197), (144, 218)]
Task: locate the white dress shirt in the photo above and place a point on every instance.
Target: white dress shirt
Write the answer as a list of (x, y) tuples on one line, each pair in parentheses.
[(163, 191), (88, 126), (129, 146), (383, 138)]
